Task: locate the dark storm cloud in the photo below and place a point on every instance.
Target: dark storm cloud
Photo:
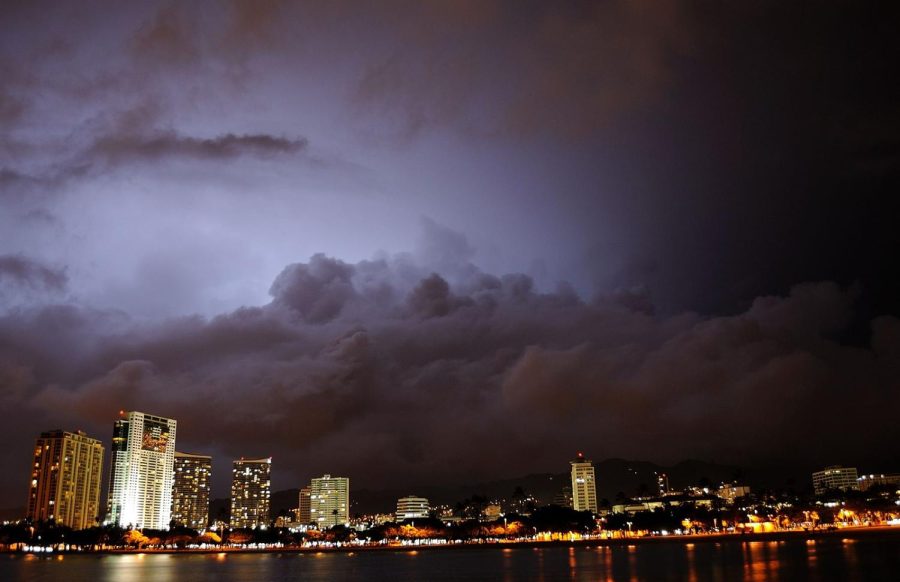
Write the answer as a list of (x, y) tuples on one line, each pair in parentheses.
[(22, 188), (11, 108), (318, 290), (13, 93), (122, 139), (11, 179), (432, 298), (160, 145), (133, 135), (167, 38), (24, 272), (445, 378), (513, 68), (491, 68)]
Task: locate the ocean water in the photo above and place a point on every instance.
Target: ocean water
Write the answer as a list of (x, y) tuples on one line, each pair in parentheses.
[(875, 558)]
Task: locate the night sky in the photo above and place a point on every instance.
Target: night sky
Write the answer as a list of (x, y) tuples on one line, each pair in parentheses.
[(414, 244)]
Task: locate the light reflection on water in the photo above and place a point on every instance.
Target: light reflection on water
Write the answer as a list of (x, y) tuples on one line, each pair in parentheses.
[(691, 563), (758, 561)]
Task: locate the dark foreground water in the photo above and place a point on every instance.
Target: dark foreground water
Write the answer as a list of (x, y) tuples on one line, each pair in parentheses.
[(829, 559)]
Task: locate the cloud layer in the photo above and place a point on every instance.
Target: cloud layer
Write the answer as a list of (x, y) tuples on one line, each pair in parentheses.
[(394, 374)]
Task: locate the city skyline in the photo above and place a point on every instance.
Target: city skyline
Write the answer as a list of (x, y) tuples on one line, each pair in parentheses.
[(469, 289), (452, 242), (68, 467)]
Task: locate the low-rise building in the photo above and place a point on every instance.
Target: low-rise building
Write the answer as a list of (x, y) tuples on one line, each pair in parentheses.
[(412, 507), (492, 512), (871, 480), (653, 503), (731, 492), (835, 477)]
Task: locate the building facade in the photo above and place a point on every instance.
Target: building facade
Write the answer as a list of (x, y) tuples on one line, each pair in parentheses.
[(303, 516), (329, 501), (65, 479), (563, 497), (662, 483), (731, 492), (142, 471), (190, 492), (412, 507), (584, 488), (871, 480), (250, 492), (835, 477)]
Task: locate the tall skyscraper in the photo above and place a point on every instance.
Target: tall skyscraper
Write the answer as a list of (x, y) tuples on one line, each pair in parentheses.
[(303, 507), (250, 492), (65, 479), (190, 493), (584, 489), (329, 501), (142, 471)]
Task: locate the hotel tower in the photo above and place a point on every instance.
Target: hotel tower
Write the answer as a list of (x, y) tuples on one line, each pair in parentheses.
[(142, 471), (584, 488), (65, 479), (250, 492), (190, 494), (329, 500)]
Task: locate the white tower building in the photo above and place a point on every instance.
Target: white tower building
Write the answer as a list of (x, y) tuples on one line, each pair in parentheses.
[(142, 471), (584, 488)]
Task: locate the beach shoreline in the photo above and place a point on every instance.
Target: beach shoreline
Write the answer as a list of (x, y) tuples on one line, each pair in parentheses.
[(848, 534)]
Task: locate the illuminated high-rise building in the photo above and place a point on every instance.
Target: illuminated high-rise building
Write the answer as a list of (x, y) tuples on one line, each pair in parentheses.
[(303, 507), (329, 501), (142, 471), (250, 492), (412, 507), (584, 488), (190, 493), (65, 479)]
